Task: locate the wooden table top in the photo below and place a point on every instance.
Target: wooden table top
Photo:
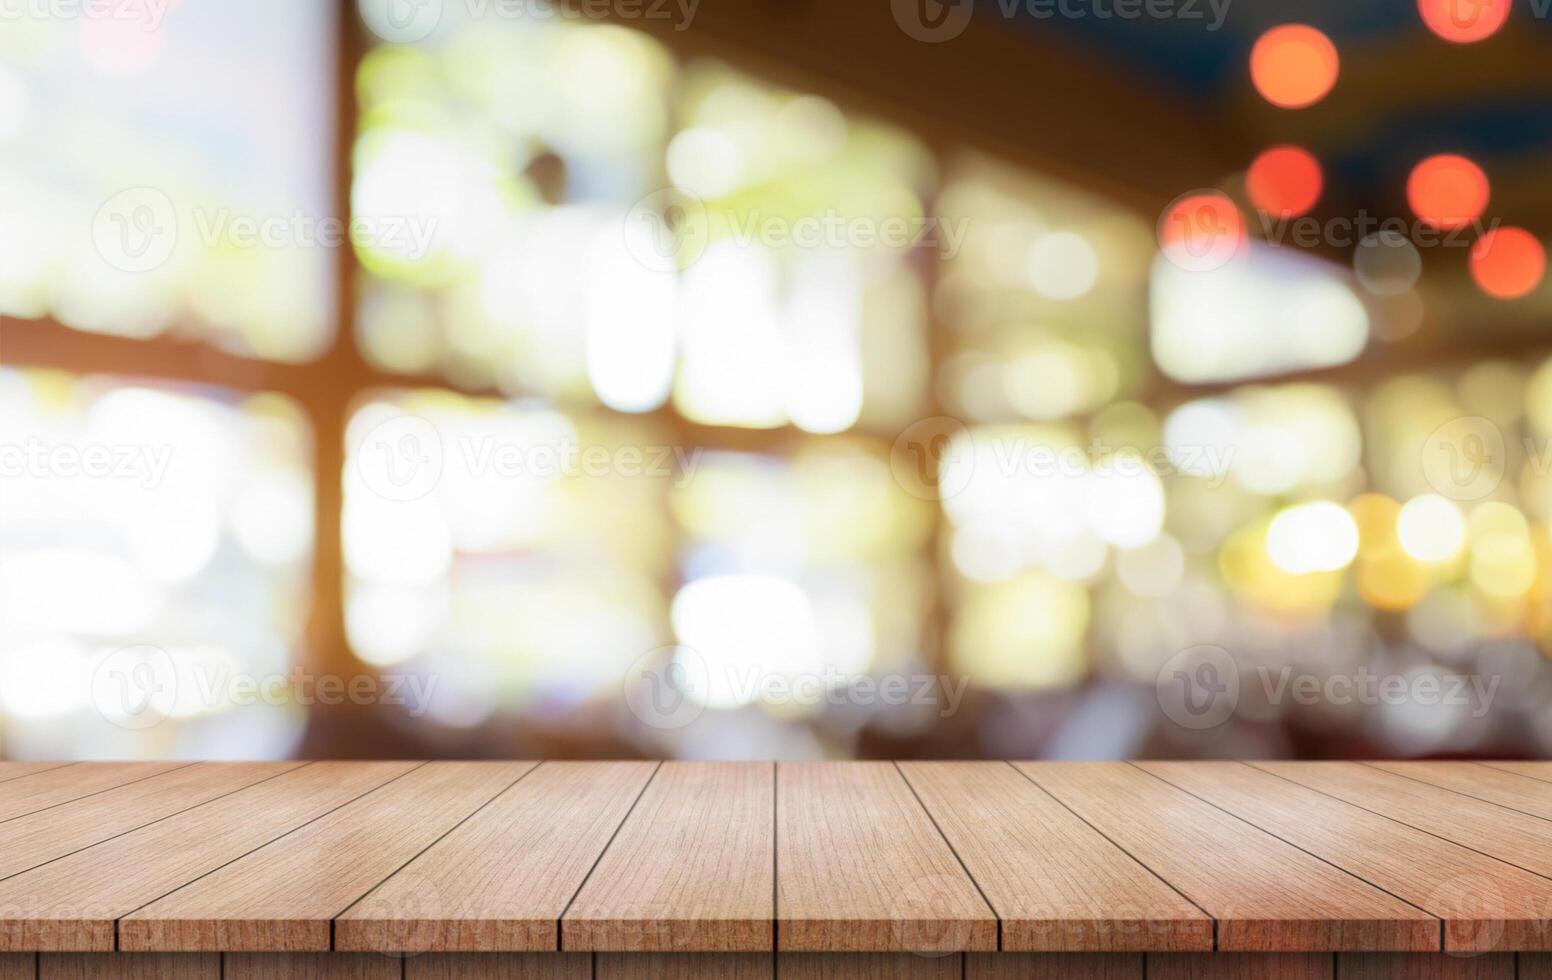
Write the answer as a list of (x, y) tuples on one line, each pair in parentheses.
[(790, 857)]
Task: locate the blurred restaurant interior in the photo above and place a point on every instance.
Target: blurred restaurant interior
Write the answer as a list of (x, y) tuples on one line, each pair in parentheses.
[(492, 358)]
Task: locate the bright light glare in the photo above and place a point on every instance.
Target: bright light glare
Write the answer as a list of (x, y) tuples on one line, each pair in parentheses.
[(632, 322), (1126, 502), (1314, 537), (1062, 265), (1276, 311), (744, 627), (1431, 528)]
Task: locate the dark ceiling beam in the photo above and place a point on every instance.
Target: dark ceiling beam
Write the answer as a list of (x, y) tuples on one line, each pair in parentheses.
[(1012, 88)]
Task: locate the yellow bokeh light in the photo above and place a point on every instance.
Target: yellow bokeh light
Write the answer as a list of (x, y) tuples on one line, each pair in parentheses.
[(1431, 529), (1313, 537)]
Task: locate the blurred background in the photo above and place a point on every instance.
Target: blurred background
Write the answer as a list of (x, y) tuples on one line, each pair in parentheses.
[(801, 379)]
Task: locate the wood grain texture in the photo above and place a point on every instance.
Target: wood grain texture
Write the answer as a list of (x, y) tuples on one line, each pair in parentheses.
[(683, 966), (869, 966), (1053, 966), (1055, 882), (691, 869), (499, 966), (72, 903), (16, 770), (18, 966), (1508, 789), (862, 868), (501, 880), (1423, 966), (310, 966), (283, 896), (1241, 966), (1485, 904), (1535, 966), (1534, 770), (1267, 896), (117, 966), (1505, 834), (52, 787), (40, 837)]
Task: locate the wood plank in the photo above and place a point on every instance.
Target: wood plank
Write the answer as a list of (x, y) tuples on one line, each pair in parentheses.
[(869, 966), (42, 790), (1535, 966), (1267, 895), (501, 880), (41, 837), (1241, 966), (283, 896), (1053, 881), (1532, 770), (72, 903), (1485, 904), (499, 966), (684, 966), (116, 966), (1505, 834), (862, 868), (691, 869), (18, 966), (1053, 966), (310, 966), (1508, 789), (16, 770), (1424, 966)]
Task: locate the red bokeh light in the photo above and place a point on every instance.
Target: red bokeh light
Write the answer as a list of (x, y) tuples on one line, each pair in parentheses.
[(1448, 190), (1508, 263), (1464, 21), (1294, 66), (1284, 181), (1202, 230)]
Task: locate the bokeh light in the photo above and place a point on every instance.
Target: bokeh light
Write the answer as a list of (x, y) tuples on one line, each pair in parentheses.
[(1508, 263), (1202, 231), (1448, 190), (1314, 537), (1464, 21), (1284, 181), (1294, 66), (1431, 528)]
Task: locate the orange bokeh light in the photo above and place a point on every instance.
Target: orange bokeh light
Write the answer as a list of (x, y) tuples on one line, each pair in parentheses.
[(1202, 231), (1284, 181), (1464, 21), (1448, 190), (1294, 66), (1508, 262)]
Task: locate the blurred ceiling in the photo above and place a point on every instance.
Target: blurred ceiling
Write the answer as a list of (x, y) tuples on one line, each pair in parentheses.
[(1404, 93)]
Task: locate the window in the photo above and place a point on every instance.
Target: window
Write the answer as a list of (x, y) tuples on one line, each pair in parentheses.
[(630, 362)]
